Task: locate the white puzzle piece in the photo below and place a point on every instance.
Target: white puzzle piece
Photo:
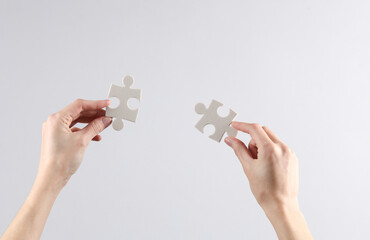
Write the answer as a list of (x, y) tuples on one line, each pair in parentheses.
[(123, 94), (210, 116)]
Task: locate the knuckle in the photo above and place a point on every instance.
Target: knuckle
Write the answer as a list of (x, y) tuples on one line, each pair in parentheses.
[(255, 126), (83, 142), (238, 151), (272, 151), (78, 100), (269, 148), (285, 148), (53, 117), (50, 118)]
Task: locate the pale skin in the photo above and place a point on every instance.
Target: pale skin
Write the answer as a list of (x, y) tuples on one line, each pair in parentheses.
[(271, 168), (62, 150)]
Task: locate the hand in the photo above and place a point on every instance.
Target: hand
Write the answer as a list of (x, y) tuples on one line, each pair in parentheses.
[(272, 170), (270, 166), (62, 149), (63, 146)]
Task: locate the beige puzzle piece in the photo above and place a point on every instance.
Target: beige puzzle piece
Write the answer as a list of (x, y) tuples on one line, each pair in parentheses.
[(210, 116), (122, 111)]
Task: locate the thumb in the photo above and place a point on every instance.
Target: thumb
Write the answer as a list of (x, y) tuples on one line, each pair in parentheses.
[(241, 151), (95, 127)]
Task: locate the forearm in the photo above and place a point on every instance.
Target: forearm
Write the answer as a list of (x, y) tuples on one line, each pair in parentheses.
[(31, 218), (288, 222)]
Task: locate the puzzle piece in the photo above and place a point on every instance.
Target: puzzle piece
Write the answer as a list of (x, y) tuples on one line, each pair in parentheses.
[(210, 116), (123, 94)]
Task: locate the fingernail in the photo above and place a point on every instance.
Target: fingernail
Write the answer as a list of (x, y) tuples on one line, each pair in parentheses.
[(234, 123), (228, 141), (109, 101), (106, 121)]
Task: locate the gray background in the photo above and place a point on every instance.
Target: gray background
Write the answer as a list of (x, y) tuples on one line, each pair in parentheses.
[(300, 67)]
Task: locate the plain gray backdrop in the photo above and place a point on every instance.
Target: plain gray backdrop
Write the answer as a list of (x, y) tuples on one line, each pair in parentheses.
[(300, 67)]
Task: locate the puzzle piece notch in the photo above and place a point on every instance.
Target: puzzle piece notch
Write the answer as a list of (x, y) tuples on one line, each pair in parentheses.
[(210, 116), (123, 94)]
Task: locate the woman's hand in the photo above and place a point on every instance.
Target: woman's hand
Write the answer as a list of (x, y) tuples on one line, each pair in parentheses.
[(63, 146), (271, 166), (62, 150), (272, 170)]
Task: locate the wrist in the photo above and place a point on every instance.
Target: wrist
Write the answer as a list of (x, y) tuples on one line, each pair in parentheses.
[(282, 211), (49, 182), (47, 185), (52, 174), (288, 220)]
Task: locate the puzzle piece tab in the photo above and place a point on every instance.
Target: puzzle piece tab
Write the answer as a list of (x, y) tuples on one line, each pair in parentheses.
[(210, 116), (123, 111)]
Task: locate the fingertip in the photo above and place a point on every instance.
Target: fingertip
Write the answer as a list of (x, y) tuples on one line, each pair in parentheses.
[(240, 126), (107, 102), (107, 121), (97, 138), (235, 124), (228, 141)]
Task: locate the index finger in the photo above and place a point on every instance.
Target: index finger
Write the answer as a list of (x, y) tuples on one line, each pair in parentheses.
[(255, 130), (74, 109)]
